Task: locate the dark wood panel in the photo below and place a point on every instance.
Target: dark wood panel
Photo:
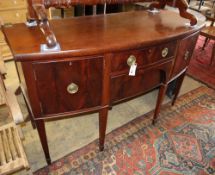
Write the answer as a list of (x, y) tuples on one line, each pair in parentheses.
[(98, 35), (126, 86), (184, 54), (54, 78)]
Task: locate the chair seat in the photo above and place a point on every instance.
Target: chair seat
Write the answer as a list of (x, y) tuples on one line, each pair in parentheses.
[(208, 32)]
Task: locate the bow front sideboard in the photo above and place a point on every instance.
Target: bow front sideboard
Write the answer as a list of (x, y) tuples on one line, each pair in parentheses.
[(91, 71)]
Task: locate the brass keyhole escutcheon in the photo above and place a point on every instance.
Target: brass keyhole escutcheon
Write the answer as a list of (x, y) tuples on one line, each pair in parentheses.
[(131, 60), (186, 55), (165, 52), (72, 88)]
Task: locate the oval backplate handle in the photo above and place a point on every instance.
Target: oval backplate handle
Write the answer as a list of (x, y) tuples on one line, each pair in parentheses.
[(72, 88), (165, 52), (131, 60), (186, 55)]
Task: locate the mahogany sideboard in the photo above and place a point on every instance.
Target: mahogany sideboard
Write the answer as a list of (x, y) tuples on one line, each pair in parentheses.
[(91, 72)]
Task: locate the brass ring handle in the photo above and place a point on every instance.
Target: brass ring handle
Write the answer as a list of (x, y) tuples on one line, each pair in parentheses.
[(186, 55), (165, 52), (131, 60), (72, 88)]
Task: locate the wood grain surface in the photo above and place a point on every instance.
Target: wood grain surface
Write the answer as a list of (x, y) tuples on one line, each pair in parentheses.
[(98, 35)]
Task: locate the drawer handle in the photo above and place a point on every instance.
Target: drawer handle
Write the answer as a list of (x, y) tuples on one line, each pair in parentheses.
[(131, 60), (186, 55), (72, 88), (165, 52)]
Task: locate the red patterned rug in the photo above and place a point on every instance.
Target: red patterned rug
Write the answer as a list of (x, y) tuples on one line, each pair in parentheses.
[(182, 142), (199, 67)]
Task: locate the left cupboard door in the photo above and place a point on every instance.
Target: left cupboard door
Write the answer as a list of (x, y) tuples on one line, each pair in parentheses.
[(68, 85)]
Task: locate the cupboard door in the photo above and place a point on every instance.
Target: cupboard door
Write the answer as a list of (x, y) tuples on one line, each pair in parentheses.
[(184, 54), (69, 85)]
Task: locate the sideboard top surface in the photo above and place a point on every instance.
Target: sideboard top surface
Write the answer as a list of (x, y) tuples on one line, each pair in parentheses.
[(96, 35)]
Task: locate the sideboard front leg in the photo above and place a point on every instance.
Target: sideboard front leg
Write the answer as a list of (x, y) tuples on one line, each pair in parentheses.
[(43, 139), (178, 87), (161, 95), (103, 113)]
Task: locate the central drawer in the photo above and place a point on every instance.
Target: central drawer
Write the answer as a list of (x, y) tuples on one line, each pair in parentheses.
[(145, 57), (125, 86), (68, 85)]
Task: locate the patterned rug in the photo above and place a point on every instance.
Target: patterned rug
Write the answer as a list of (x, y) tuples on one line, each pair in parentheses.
[(199, 67), (181, 142)]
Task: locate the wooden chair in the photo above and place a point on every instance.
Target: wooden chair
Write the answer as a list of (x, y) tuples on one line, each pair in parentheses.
[(209, 33), (12, 155)]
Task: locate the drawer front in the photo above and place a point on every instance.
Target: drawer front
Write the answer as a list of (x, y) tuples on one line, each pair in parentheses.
[(69, 86), (125, 86), (148, 56), (184, 53), (13, 16), (7, 4)]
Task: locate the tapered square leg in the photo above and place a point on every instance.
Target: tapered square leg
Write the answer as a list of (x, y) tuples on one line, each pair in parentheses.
[(103, 113), (161, 95), (43, 139), (178, 87)]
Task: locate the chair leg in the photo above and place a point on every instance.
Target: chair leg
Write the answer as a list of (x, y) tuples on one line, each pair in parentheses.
[(213, 55), (21, 135), (205, 43), (161, 95)]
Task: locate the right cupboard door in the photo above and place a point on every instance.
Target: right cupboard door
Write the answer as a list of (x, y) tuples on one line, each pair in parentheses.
[(184, 53)]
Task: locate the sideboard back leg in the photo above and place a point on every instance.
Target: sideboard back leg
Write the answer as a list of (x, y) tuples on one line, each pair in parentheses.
[(30, 115), (43, 139), (161, 95), (103, 113), (178, 87)]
